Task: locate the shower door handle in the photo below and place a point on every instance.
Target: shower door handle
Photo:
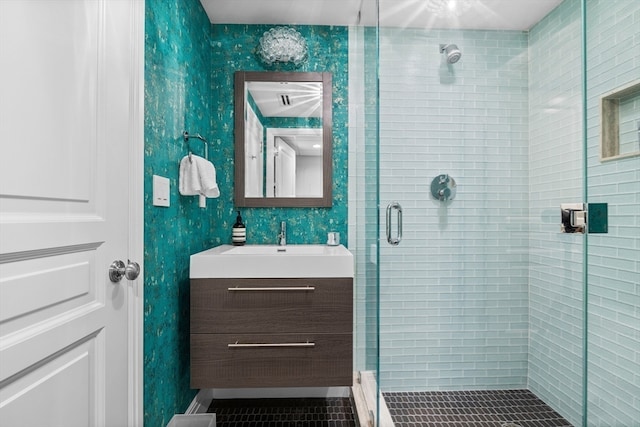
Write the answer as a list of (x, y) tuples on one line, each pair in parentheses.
[(394, 241)]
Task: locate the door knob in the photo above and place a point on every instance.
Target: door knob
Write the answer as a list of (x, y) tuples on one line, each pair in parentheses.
[(118, 269)]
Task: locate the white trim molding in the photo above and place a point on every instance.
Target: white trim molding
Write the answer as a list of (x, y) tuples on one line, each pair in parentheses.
[(136, 214)]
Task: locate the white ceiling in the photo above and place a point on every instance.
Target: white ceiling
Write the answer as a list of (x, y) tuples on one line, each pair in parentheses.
[(481, 14)]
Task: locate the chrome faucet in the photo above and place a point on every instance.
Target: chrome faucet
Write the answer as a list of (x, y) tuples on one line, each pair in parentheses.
[(282, 237)]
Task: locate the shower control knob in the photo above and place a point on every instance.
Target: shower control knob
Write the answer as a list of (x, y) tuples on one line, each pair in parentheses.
[(443, 188)]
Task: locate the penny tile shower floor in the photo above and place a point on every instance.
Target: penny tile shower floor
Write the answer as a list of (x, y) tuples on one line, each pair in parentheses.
[(330, 412), (490, 408)]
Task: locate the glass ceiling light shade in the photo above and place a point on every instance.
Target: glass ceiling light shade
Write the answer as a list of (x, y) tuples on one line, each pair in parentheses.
[(282, 44)]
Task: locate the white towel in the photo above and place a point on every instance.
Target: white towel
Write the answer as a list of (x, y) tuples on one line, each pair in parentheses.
[(197, 177), (189, 182)]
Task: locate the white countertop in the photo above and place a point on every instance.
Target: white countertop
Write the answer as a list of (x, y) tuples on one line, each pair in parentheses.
[(271, 261)]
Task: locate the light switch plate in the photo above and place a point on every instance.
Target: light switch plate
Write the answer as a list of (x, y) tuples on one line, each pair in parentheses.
[(161, 191)]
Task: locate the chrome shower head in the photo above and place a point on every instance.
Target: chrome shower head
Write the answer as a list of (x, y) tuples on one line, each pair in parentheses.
[(452, 52)]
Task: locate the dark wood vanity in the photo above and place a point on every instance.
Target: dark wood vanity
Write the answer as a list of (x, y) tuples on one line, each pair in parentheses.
[(291, 332)]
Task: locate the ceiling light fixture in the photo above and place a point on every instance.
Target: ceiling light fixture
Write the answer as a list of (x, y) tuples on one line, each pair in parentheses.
[(282, 44), (448, 8)]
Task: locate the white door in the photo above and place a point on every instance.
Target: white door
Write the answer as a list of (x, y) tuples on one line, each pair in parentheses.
[(70, 80)]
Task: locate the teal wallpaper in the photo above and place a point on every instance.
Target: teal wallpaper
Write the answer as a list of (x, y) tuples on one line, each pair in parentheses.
[(189, 66), (233, 49), (177, 98)]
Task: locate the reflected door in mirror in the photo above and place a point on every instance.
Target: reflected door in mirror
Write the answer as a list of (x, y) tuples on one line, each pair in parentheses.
[(304, 177), (254, 160), (284, 184)]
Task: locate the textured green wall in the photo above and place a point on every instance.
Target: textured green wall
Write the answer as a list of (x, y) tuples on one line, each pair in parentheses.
[(189, 66), (233, 49), (177, 97)]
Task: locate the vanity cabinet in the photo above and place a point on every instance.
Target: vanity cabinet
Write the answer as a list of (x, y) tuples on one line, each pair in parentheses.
[(294, 332)]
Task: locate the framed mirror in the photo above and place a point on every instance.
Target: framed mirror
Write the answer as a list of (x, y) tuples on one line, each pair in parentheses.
[(283, 139)]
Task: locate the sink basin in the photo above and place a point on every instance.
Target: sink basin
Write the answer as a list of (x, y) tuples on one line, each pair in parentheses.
[(271, 261)]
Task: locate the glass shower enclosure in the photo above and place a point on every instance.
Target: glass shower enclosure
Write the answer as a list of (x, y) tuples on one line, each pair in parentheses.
[(468, 139)]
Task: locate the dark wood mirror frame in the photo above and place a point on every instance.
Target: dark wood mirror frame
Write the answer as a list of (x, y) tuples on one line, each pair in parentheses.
[(327, 139)]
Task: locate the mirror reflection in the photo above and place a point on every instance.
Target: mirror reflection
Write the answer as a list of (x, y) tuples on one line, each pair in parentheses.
[(283, 139), (283, 142)]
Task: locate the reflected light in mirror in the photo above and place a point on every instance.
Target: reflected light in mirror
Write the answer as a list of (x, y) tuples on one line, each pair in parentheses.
[(287, 99)]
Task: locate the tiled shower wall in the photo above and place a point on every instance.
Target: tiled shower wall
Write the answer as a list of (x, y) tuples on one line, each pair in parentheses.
[(613, 337), (556, 176), (454, 293)]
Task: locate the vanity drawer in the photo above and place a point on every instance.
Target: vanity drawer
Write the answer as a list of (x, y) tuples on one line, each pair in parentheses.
[(271, 360), (271, 305)]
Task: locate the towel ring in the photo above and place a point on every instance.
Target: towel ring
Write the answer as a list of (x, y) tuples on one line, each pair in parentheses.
[(186, 135)]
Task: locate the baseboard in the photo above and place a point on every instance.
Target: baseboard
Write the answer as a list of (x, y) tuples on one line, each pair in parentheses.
[(280, 392), (201, 402)]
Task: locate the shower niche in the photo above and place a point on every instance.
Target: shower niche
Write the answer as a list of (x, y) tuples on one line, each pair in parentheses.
[(620, 123)]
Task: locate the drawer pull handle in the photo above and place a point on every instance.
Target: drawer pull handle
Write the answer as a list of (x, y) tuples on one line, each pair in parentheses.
[(277, 288), (284, 344)]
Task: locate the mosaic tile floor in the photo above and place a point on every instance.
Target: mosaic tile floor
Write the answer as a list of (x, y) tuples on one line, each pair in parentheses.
[(490, 408), (330, 412)]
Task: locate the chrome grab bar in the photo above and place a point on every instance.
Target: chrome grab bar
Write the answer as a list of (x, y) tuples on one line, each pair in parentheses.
[(284, 344), (394, 241), (275, 288)]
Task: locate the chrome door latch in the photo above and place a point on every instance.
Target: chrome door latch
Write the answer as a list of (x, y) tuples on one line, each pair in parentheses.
[(584, 217)]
